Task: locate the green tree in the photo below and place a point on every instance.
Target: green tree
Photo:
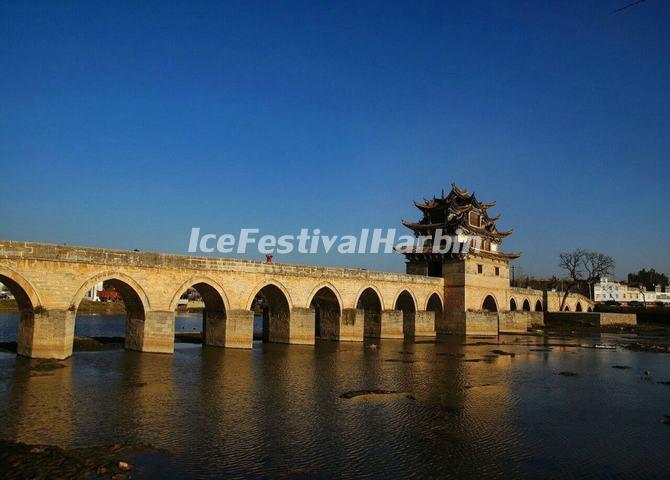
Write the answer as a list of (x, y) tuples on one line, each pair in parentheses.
[(648, 279)]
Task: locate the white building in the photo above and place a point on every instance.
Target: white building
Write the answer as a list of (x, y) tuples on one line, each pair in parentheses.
[(92, 294), (607, 291)]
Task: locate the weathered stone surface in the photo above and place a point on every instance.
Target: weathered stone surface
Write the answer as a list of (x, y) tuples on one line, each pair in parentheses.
[(513, 322), (351, 325), (391, 324), (49, 282), (239, 329), (424, 324), (591, 318)]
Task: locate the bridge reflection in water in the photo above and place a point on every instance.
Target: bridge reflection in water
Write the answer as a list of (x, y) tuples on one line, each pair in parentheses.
[(277, 410)]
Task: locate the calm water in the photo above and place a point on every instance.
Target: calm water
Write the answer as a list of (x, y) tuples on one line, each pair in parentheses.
[(276, 410)]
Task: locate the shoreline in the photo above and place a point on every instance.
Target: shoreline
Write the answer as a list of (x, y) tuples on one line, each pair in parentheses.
[(656, 339), (21, 460)]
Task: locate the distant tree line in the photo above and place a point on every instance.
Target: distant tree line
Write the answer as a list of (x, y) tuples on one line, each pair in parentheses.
[(583, 269), (648, 279)]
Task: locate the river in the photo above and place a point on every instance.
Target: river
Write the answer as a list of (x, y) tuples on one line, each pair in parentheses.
[(461, 410)]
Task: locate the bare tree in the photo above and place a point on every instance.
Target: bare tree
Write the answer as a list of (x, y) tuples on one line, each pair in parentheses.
[(583, 266)]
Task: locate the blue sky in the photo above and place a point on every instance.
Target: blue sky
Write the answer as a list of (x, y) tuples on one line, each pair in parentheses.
[(126, 124)]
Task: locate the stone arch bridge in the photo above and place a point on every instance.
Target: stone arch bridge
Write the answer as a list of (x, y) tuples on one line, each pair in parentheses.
[(49, 282)]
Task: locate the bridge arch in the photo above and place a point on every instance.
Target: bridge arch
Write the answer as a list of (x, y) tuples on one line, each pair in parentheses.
[(433, 299), (538, 306), (320, 287), (578, 307), (261, 285), (134, 298), (28, 301), (406, 303), (114, 276), (23, 291), (326, 302), (213, 330), (490, 304), (512, 304), (408, 295), (526, 305), (370, 301), (193, 282), (364, 290), (275, 305), (436, 305)]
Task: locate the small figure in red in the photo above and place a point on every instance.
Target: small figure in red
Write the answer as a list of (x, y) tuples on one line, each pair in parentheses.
[(268, 258)]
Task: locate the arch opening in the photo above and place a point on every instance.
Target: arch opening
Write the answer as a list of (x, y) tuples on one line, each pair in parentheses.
[(490, 304), (405, 303), (526, 305), (122, 307), (512, 304), (538, 306), (578, 308), (18, 327), (371, 305), (272, 315), (566, 308), (200, 315), (326, 314), (435, 305)]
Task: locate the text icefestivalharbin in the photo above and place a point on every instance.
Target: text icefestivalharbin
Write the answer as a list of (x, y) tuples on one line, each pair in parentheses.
[(308, 241)]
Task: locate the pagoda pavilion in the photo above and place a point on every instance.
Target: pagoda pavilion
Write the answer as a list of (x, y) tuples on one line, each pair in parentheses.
[(459, 215)]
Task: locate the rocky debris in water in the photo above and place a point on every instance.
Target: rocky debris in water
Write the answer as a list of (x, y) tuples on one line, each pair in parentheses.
[(665, 420), (566, 374), (19, 460), (361, 393), (502, 352), (621, 367)]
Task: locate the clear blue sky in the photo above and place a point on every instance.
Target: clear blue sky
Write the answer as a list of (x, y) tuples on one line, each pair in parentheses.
[(124, 125)]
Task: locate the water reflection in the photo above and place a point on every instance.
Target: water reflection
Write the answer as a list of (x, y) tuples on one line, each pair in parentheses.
[(276, 410)]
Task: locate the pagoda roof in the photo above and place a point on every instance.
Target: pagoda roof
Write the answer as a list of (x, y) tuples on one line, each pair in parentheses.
[(456, 199), (451, 213)]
